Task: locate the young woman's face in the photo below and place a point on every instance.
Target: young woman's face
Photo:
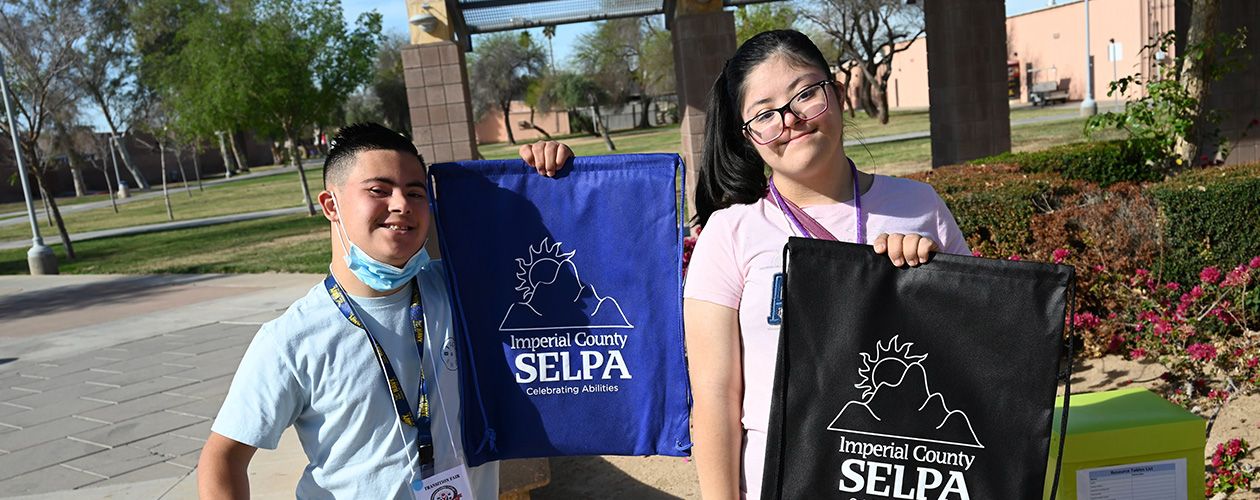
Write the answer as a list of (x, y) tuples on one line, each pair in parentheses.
[(804, 146)]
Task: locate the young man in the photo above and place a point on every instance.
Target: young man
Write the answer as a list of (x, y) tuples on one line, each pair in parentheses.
[(343, 364)]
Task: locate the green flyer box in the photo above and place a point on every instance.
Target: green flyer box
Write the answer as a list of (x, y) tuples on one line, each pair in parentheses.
[(1128, 444)]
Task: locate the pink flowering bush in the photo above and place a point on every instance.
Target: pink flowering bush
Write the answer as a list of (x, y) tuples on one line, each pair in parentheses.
[(1226, 473), (689, 244), (1204, 333)]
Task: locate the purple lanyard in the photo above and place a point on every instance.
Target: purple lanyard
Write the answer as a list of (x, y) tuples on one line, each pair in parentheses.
[(809, 226)]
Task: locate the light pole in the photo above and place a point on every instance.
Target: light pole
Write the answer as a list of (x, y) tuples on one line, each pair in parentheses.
[(1113, 53), (40, 258), (1088, 106)]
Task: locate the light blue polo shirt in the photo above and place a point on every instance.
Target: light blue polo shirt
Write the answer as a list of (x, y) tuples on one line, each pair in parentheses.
[(313, 370)]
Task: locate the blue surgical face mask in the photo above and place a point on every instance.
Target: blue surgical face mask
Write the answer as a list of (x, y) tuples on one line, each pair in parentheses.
[(377, 275)]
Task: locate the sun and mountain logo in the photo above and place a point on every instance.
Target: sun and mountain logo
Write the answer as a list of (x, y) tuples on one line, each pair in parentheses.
[(555, 297), (897, 400)]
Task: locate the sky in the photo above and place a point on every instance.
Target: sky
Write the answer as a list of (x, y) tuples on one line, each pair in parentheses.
[(394, 20)]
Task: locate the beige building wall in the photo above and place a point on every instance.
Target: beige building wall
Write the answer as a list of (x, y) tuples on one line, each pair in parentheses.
[(1052, 39), (489, 128)]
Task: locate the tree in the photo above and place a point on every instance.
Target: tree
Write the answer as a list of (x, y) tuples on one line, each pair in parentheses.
[(549, 32), (756, 18), (363, 106), (65, 138), (532, 95), (303, 62), (570, 90), (500, 70), (388, 84), (154, 118), (1208, 57), (1167, 123), (629, 58), (656, 66), (869, 35), (193, 57), (38, 42), (107, 75)]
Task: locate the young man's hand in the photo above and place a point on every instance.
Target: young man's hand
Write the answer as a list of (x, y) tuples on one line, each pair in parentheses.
[(547, 157)]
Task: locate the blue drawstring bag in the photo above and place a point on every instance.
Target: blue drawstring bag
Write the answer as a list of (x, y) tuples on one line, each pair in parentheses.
[(566, 296)]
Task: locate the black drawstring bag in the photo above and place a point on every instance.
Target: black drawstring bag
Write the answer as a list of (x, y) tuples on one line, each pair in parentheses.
[(928, 382)]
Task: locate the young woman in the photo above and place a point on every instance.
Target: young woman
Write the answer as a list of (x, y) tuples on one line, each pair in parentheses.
[(776, 104)]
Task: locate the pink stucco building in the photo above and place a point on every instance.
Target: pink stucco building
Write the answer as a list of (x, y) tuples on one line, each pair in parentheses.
[(490, 129), (1051, 42)]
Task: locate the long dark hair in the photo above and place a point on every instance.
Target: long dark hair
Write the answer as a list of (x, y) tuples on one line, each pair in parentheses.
[(731, 171)]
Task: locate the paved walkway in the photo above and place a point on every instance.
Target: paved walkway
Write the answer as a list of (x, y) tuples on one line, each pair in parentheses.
[(110, 383)]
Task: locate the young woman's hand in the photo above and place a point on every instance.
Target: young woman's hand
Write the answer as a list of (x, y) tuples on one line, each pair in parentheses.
[(905, 249), (547, 157)]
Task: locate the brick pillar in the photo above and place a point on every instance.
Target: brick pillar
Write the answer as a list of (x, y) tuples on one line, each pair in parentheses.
[(966, 55), (1235, 96), (702, 43), (441, 106)]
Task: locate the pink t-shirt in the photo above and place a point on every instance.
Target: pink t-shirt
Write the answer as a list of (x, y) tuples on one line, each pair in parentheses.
[(738, 263)]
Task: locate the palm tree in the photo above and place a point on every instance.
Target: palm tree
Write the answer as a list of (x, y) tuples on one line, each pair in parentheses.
[(550, 32)]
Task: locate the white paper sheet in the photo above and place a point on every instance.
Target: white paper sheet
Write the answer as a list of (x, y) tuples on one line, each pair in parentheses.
[(1163, 480)]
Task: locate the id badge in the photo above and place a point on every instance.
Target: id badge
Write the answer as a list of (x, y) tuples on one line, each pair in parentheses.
[(450, 484)]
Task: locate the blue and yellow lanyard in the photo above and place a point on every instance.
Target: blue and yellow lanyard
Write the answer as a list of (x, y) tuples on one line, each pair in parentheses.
[(420, 418)]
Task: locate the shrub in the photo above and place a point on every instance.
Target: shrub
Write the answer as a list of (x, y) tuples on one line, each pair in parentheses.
[(994, 205), (1226, 473), (1095, 231), (1211, 217), (1198, 330), (1108, 233), (1103, 162)]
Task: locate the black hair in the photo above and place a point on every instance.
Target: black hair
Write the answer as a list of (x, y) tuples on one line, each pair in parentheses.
[(357, 138), (731, 171)]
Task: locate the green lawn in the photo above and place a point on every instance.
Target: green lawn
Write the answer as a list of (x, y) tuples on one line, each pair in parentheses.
[(656, 140), (300, 244), (892, 158), (860, 126), (247, 195), (902, 157), (65, 201), (291, 243)]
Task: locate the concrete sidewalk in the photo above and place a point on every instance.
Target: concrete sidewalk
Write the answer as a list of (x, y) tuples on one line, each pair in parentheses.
[(109, 384)]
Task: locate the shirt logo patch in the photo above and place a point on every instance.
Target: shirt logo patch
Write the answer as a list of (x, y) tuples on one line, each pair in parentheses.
[(776, 301), (448, 354)]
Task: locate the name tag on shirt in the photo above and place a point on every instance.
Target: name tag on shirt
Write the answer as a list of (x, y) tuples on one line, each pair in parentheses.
[(450, 484)]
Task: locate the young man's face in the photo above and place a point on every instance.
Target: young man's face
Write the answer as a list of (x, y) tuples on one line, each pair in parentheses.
[(383, 205)]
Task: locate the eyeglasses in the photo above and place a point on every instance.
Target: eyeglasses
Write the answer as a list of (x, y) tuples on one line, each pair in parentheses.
[(768, 125)]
